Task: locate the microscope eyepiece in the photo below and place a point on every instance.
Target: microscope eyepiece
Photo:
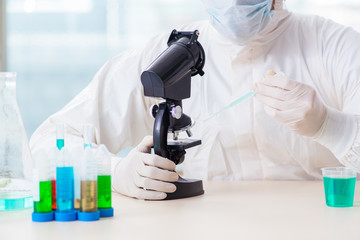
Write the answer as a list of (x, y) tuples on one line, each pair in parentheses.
[(169, 75)]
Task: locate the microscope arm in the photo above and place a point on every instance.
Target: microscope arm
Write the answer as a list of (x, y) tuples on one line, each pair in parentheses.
[(160, 131)]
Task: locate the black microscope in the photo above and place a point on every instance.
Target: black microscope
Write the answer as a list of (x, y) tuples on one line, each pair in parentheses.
[(169, 77)]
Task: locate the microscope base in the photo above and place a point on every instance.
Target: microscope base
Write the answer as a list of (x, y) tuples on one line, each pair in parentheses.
[(186, 188)]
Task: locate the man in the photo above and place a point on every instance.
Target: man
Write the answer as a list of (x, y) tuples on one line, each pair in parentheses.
[(304, 116)]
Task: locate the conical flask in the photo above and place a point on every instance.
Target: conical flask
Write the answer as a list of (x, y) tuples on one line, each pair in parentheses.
[(15, 189)]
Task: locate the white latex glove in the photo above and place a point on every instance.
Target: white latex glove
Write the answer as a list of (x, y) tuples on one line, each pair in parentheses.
[(292, 103), (143, 175)]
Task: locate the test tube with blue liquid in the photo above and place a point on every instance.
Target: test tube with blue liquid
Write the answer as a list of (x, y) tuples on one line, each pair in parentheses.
[(65, 181), (104, 182), (42, 195), (88, 199)]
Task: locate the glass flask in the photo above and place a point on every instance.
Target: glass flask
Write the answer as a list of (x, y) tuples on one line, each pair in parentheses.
[(15, 189)]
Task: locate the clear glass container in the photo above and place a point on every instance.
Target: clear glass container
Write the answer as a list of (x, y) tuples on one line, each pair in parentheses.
[(15, 189)]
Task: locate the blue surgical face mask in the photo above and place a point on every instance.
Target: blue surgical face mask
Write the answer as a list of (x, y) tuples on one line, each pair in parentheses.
[(239, 20)]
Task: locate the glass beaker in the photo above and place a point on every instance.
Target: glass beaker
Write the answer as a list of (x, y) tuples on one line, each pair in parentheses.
[(15, 190), (339, 186)]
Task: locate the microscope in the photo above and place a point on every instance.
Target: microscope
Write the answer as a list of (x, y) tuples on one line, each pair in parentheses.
[(169, 77)]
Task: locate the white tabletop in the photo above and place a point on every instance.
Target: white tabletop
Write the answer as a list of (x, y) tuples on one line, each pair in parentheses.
[(228, 210)]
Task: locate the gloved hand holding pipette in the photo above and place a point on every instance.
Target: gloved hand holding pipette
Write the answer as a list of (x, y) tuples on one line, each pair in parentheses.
[(292, 103)]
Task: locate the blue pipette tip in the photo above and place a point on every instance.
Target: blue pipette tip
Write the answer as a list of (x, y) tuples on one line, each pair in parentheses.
[(65, 216), (42, 217), (106, 212), (88, 216), (234, 103)]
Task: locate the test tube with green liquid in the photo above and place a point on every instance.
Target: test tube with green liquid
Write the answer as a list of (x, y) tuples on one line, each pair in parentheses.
[(104, 182), (42, 195), (88, 197)]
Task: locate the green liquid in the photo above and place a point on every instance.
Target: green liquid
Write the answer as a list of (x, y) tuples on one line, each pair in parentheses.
[(45, 203), (104, 191), (339, 192)]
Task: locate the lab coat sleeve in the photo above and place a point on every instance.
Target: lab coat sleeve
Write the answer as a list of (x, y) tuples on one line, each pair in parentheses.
[(113, 102), (341, 55)]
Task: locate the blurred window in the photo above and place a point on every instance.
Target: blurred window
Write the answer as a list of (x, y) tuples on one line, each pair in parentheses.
[(56, 47)]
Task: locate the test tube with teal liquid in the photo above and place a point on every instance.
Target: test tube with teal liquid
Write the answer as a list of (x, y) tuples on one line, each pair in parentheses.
[(104, 182), (88, 197), (42, 192), (64, 182), (59, 145), (60, 140)]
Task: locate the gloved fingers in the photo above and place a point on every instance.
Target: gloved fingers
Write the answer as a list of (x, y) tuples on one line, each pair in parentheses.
[(151, 184), (145, 145), (148, 195), (270, 72), (157, 173), (288, 116), (157, 161), (279, 82), (272, 102), (269, 91), (272, 112)]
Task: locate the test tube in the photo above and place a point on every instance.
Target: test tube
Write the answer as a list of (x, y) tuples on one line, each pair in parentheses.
[(64, 188), (42, 192), (59, 145), (53, 157), (76, 156), (88, 199), (104, 182), (60, 136)]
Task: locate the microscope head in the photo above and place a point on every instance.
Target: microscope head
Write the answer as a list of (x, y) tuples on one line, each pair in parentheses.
[(169, 75)]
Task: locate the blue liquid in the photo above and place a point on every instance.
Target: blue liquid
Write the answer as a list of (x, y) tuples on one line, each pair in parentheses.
[(89, 145), (60, 143), (15, 201), (64, 189)]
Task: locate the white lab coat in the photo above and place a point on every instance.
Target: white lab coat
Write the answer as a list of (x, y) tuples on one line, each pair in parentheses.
[(243, 142)]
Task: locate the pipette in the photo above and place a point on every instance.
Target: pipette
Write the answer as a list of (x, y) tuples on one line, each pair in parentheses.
[(234, 103)]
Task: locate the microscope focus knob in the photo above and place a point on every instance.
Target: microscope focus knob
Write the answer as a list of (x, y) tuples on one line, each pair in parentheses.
[(176, 112), (188, 132), (153, 110)]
